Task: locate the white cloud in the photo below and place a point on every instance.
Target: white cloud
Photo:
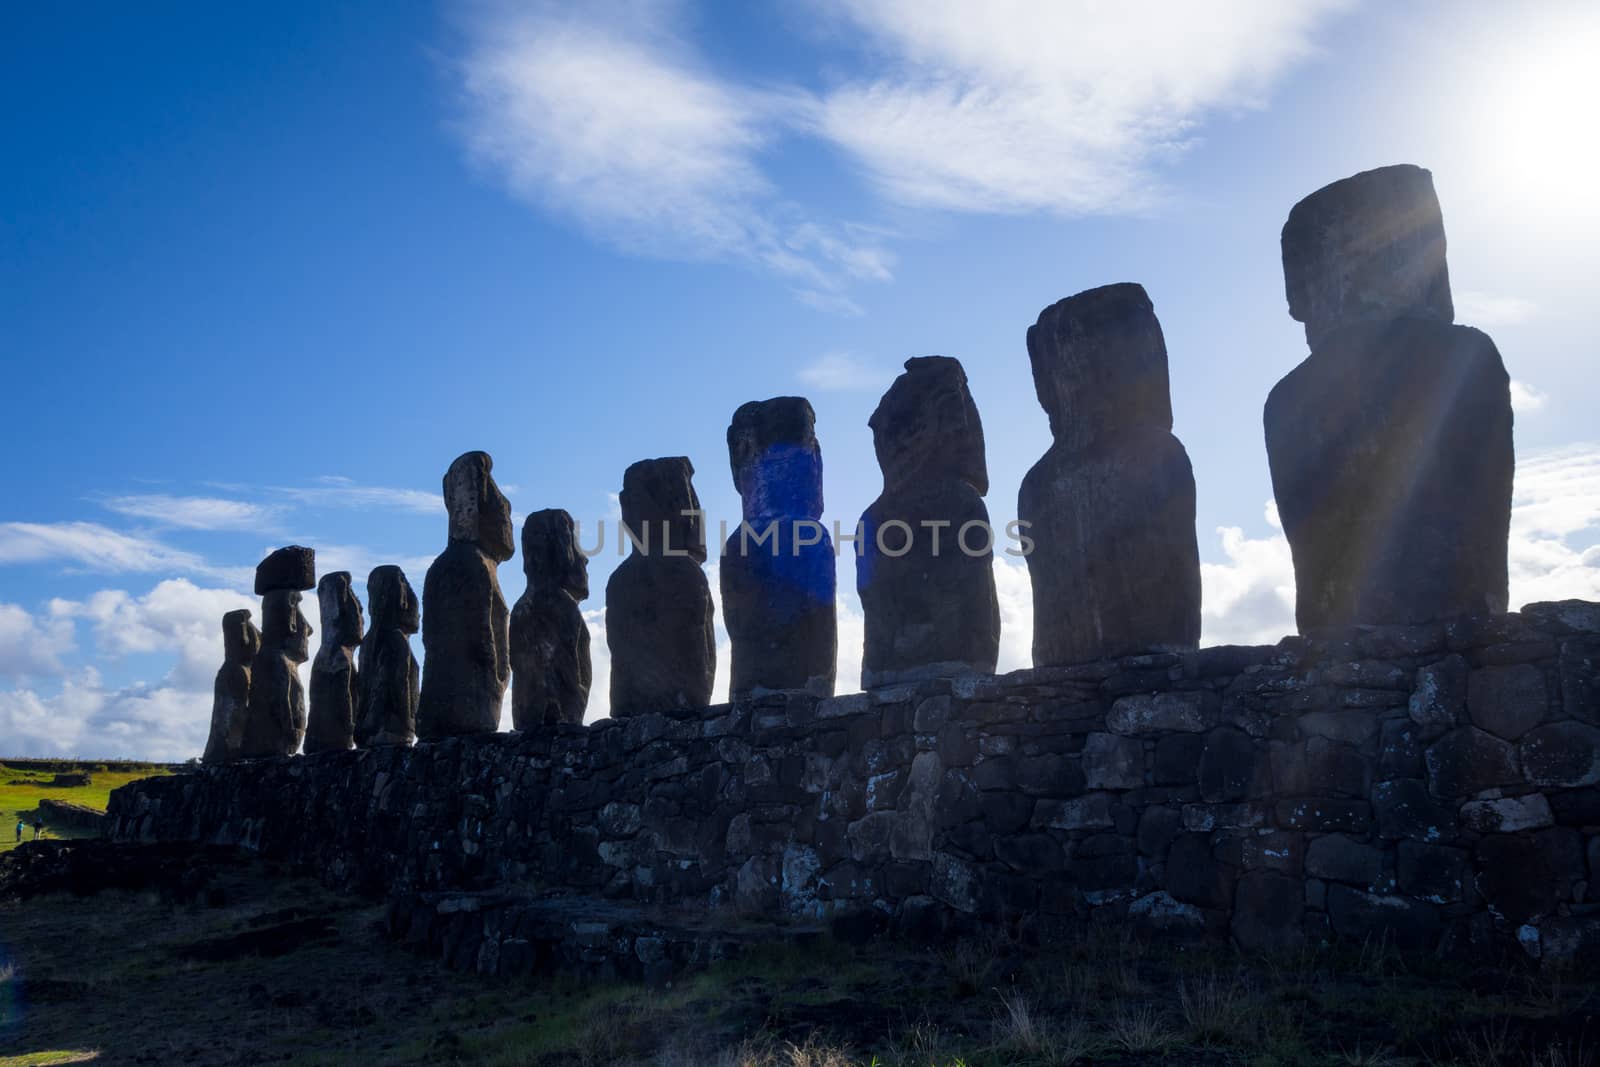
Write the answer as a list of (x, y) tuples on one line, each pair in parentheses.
[(194, 512), (164, 720), (842, 372), (1249, 600), (616, 122), (1475, 308), (1069, 108), (88, 546), (1526, 399), (30, 647)]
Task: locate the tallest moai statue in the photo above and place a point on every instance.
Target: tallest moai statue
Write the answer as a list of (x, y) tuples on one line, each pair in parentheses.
[(1390, 446)]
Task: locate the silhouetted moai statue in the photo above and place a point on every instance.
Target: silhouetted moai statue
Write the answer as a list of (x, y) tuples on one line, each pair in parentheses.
[(550, 669), (277, 720), (466, 647), (930, 603), (778, 574), (387, 711), (1390, 446), (230, 700), (335, 688), (1115, 565), (658, 603)]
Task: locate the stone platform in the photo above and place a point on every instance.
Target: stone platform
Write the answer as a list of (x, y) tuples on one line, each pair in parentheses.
[(1438, 785)]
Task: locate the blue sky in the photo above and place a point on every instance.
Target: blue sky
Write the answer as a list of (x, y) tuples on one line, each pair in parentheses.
[(265, 272)]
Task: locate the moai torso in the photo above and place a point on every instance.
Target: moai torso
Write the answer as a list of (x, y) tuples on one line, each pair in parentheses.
[(1391, 444), (386, 713), (230, 701), (1115, 564), (276, 723), (335, 687), (550, 669), (778, 569), (659, 613), (465, 641), (930, 605)]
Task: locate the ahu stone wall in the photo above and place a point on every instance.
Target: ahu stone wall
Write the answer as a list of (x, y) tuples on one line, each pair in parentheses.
[(1436, 784)]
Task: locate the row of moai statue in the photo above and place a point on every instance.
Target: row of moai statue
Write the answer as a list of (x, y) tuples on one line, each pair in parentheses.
[(1390, 451)]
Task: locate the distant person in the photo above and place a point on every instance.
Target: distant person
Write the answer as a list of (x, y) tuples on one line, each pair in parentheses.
[(19, 831), (38, 828)]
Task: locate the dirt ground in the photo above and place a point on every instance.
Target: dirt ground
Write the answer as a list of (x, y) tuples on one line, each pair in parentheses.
[(263, 968)]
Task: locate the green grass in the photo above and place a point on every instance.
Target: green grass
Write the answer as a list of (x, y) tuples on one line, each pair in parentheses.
[(21, 800)]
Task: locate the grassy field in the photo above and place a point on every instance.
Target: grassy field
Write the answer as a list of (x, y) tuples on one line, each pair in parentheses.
[(125, 978), (23, 783)]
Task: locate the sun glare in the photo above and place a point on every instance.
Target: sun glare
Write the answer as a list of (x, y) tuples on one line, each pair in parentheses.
[(1540, 124)]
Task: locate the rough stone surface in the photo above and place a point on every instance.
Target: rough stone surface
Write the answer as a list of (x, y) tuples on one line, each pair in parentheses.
[(1390, 446), (291, 567), (1115, 566), (1467, 761), (1562, 754), (1268, 912), (1507, 701), (335, 684), (1440, 697), (1037, 802), (276, 721), (230, 699), (778, 568), (928, 609), (1368, 247), (465, 638), (550, 665), (387, 711), (659, 624)]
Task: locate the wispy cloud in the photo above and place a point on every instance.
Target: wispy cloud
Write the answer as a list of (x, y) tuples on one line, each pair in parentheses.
[(194, 512), (332, 491), (1474, 308), (1067, 108), (1526, 399), (606, 115), (88, 546), (842, 372)]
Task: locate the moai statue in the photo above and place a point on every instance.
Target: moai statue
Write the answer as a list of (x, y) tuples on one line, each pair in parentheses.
[(778, 577), (550, 669), (926, 552), (230, 700), (276, 723), (335, 689), (1115, 565), (466, 647), (1390, 446), (658, 603), (387, 711)]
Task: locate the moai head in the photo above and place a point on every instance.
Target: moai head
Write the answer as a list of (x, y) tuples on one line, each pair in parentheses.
[(550, 556), (926, 427), (291, 567), (479, 511), (776, 460), (341, 611), (1100, 366), (240, 638), (661, 491), (1365, 248), (393, 604), (284, 628)]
